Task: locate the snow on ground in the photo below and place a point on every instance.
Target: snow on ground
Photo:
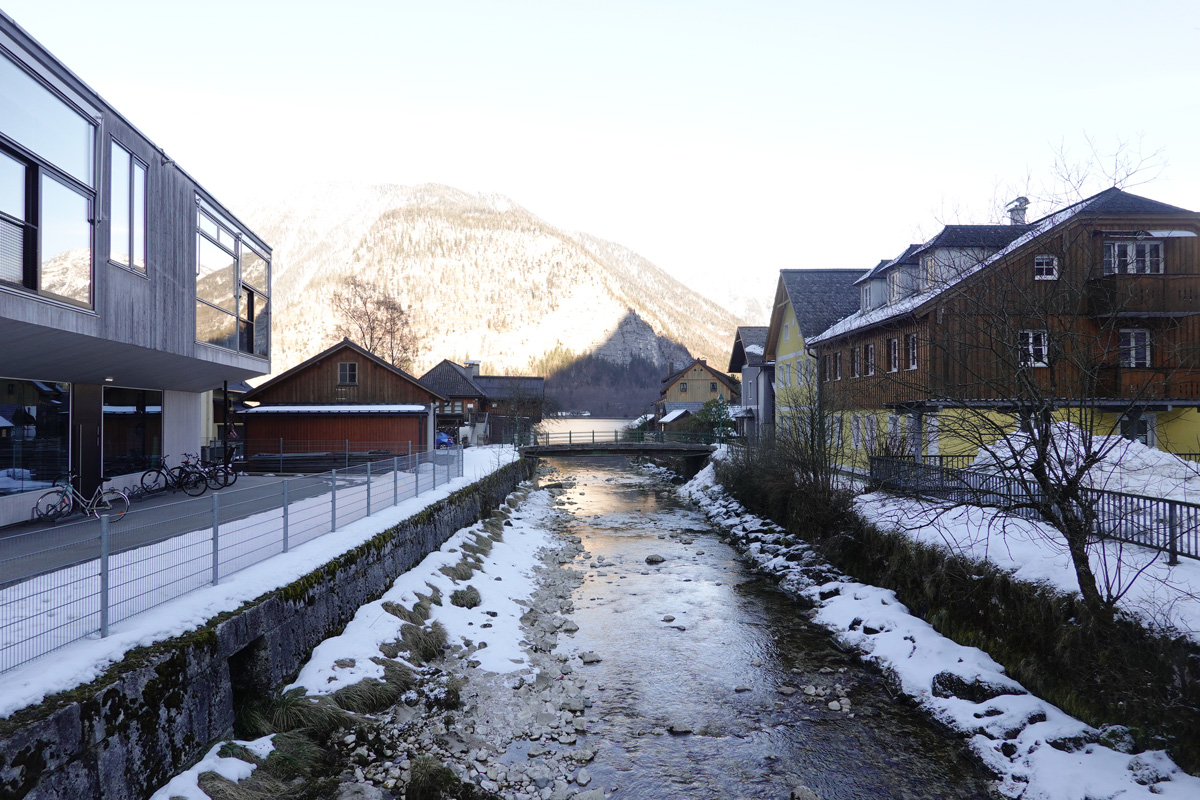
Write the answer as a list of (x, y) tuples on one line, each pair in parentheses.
[(1039, 752), (505, 578), (186, 784), (1128, 466), (83, 661)]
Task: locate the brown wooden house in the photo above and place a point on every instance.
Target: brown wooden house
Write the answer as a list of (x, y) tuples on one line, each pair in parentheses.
[(690, 388), (1096, 306), (342, 399)]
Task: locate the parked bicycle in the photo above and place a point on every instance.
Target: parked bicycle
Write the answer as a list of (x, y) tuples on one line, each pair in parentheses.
[(65, 499), (219, 475), (186, 478)]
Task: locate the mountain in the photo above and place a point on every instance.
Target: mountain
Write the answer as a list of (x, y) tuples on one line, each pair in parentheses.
[(482, 278)]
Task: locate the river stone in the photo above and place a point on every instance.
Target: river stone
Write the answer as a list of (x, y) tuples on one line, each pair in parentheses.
[(679, 728), (947, 684), (654, 558), (583, 777), (741, 689), (804, 793), (668, 618), (590, 657), (834, 705), (786, 691), (360, 791)]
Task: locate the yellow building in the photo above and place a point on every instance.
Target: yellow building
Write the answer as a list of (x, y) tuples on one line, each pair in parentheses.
[(807, 301)]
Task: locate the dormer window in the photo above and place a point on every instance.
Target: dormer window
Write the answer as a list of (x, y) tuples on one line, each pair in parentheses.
[(928, 271), (893, 284), (1133, 258)]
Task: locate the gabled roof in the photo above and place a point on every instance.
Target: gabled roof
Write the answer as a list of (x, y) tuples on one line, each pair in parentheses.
[(506, 387), (749, 344), (722, 377), (820, 297), (907, 257), (1110, 202), (344, 344), (451, 380)]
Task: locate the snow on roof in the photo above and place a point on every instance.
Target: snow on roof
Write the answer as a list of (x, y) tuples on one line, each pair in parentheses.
[(861, 319), (756, 349), (674, 415), (344, 408)]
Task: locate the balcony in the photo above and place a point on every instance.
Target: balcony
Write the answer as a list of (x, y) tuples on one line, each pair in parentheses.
[(1144, 295), (1149, 383)]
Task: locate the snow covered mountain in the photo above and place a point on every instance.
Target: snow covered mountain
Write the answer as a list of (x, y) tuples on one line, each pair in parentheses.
[(482, 278)]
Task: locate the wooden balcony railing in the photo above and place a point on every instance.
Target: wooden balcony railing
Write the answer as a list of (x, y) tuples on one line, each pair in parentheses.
[(1144, 294), (1151, 383)]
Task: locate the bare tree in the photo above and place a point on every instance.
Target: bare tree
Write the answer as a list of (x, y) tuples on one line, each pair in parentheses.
[(367, 314)]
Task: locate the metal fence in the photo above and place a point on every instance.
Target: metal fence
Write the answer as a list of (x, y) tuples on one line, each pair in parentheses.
[(637, 437), (74, 581), (1171, 526)]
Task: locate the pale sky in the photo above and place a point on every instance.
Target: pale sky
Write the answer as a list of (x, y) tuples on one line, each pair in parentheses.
[(723, 141)]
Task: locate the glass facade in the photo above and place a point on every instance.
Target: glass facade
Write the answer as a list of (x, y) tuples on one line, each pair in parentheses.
[(133, 430), (127, 217), (233, 304), (46, 189), (34, 434)]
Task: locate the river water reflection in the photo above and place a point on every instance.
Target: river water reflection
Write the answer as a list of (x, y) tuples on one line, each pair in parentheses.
[(718, 667)]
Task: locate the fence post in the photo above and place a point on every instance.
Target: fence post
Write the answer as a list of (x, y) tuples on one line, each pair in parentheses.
[(1173, 544), (433, 463), (216, 526), (368, 488), (281, 454), (347, 452), (593, 435), (395, 480), (285, 515), (570, 437), (462, 464), (104, 575), (333, 501)]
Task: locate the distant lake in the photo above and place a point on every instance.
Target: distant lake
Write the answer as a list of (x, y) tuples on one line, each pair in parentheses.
[(559, 425)]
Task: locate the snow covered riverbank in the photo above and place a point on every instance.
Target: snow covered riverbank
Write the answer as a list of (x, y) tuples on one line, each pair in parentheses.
[(1035, 749)]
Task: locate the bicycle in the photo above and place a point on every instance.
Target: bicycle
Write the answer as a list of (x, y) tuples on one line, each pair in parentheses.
[(65, 499), (219, 475), (185, 478)]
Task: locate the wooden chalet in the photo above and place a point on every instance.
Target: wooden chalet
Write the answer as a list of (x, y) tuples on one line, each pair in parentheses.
[(481, 407), (342, 399), (690, 388), (1095, 306)]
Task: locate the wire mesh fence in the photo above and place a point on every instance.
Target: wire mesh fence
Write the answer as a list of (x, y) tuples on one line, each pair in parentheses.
[(1172, 526), (74, 581)]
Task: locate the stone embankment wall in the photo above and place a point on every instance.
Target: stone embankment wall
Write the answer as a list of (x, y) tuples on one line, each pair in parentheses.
[(162, 707)]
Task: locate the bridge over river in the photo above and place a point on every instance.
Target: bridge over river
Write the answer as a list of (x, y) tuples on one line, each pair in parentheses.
[(622, 443)]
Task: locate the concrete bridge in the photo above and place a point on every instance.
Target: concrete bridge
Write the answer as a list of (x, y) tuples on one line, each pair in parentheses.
[(621, 443)]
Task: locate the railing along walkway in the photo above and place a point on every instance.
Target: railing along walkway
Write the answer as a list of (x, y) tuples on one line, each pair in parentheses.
[(91, 575), (1172, 526)]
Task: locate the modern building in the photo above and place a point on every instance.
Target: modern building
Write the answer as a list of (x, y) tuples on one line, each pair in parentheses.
[(127, 291), (1089, 315)]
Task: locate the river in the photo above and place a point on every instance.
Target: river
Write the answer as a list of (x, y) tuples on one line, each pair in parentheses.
[(700, 643)]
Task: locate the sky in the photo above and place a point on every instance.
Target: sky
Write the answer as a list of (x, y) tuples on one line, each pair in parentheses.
[(722, 141)]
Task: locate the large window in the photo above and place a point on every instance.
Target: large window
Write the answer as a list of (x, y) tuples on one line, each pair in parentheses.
[(35, 424), (1133, 258), (133, 430), (233, 283), (127, 217), (46, 196), (1135, 347)]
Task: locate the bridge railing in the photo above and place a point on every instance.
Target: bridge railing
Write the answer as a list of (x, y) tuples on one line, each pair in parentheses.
[(628, 437)]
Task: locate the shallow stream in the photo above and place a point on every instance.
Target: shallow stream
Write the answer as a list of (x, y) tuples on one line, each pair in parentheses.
[(700, 643)]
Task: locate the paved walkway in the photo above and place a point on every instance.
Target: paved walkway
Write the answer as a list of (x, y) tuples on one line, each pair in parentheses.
[(33, 548)]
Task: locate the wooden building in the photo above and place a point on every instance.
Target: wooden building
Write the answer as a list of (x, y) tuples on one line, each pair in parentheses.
[(342, 399), (484, 408), (127, 291), (1091, 311), (690, 388)]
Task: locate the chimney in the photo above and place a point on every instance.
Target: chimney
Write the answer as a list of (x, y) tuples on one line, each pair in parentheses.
[(670, 368), (1016, 211), (472, 367)]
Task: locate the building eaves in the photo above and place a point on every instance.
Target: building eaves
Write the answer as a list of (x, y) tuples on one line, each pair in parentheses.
[(344, 344)]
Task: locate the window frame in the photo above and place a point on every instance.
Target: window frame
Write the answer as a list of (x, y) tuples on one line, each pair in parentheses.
[(1045, 271), (855, 363), (1154, 265), (893, 354), (910, 341), (837, 366), (683, 387), (712, 387), (1028, 347), (870, 359), (347, 373), (1134, 353), (134, 163)]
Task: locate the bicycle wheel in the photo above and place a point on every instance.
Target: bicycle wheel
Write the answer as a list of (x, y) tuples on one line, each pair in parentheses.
[(193, 482), (230, 475), (154, 481), (113, 503), (214, 478), (52, 506)]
